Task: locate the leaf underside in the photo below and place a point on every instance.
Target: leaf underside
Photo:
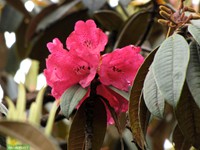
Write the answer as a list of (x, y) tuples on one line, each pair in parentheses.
[(170, 67)]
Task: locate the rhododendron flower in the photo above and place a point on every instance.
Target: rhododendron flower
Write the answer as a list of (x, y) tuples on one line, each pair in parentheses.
[(119, 67), (66, 68), (87, 37), (81, 62)]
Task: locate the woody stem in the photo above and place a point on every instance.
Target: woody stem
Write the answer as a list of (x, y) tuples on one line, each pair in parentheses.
[(89, 113)]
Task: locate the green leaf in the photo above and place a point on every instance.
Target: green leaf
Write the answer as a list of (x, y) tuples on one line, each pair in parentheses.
[(21, 102), (170, 67), (134, 101), (31, 76), (195, 31), (3, 109), (77, 131), (36, 106), (94, 4), (110, 20), (124, 94), (180, 142), (188, 116), (70, 99), (49, 126), (193, 72), (27, 134), (152, 96)]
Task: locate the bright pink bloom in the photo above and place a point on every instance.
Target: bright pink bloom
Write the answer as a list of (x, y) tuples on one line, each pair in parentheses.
[(120, 67), (87, 38), (81, 62), (66, 68)]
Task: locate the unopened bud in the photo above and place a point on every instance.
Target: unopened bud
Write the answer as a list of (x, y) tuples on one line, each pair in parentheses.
[(190, 9), (164, 8), (164, 14), (163, 22)]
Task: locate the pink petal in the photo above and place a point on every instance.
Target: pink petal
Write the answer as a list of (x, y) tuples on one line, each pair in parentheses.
[(66, 68), (87, 38), (120, 67), (55, 46)]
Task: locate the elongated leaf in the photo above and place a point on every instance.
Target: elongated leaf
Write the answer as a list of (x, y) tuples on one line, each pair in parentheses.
[(57, 15), (27, 134), (109, 19), (94, 4), (18, 4), (71, 98), (3, 109), (144, 116), (120, 92), (195, 31), (188, 117), (21, 102), (170, 67), (152, 96), (135, 99), (133, 29), (180, 142), (193, 73), (36, 20), (77, 132)]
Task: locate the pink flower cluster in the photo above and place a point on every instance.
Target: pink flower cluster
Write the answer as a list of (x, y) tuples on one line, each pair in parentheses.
[(82, 61)]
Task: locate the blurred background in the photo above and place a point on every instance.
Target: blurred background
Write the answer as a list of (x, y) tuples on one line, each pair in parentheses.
[(26, 26)]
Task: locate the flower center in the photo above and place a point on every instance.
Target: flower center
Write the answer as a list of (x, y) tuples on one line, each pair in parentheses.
[(88, 44), (115, 69), (81, 70)]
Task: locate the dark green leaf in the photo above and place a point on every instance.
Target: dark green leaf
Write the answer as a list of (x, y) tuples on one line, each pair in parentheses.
[(77, 131), (110, 20), (134, 101), (170, 67), (57, 14), (152, 96), (22, 130), (22, 49), (70, 99), (36, 20), (94, 4), (188, 117), (7, 24), (133, 29), (19, 5), (193, 72), (180, 142)]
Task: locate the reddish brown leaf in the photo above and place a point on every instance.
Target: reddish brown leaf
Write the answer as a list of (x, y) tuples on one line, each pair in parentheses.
[(180, 142), (77, 131), (188, 117), (136, 91), (27, 134)]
